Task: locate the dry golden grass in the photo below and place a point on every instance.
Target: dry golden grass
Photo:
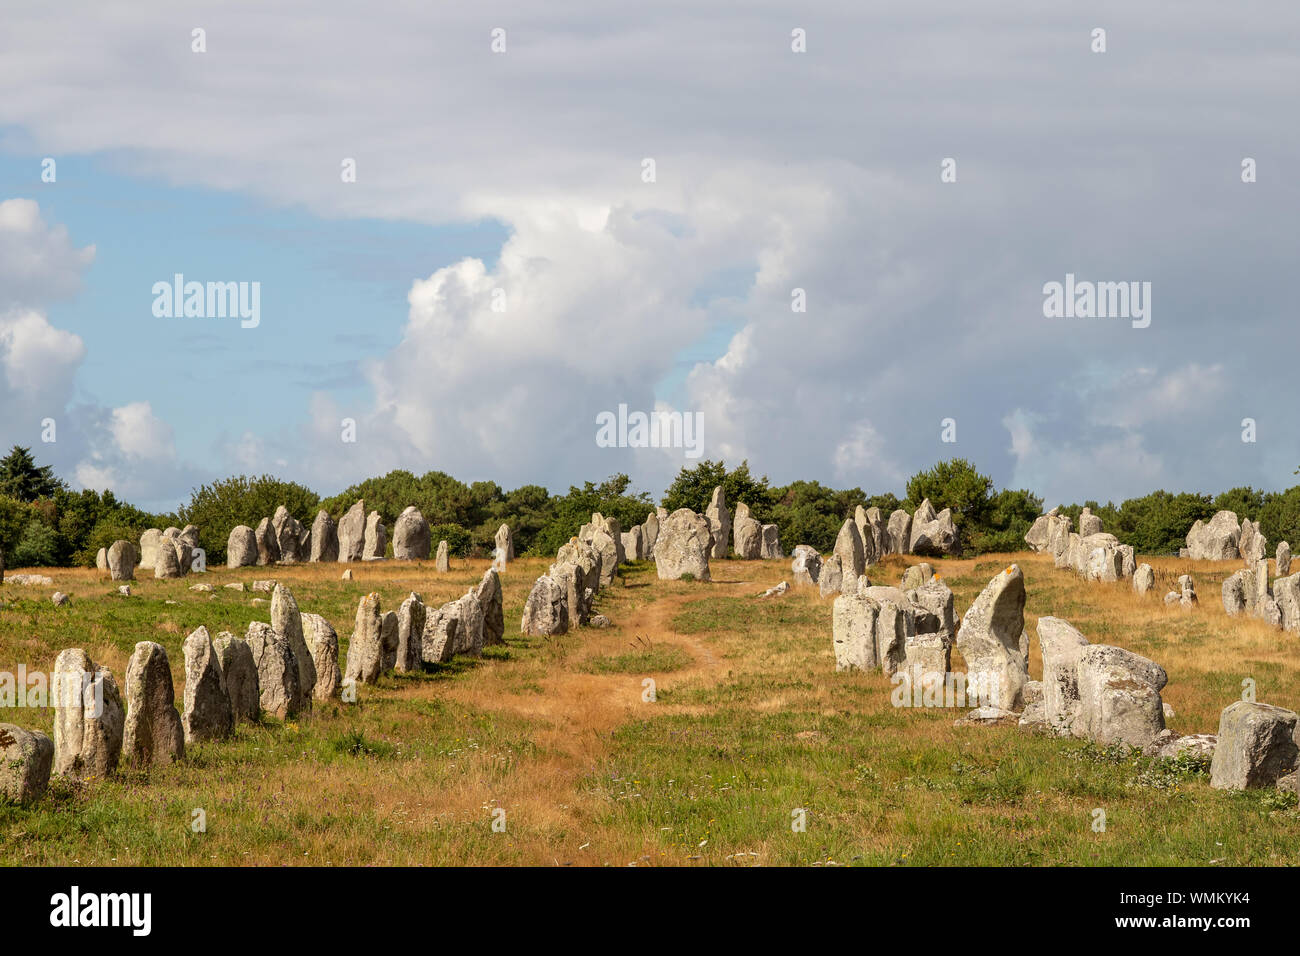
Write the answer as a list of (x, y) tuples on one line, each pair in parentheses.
[(750, 724)]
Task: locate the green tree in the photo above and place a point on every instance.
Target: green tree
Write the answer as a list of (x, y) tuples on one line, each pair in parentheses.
[(611, 498), (957, 485), (217, 508), (693, 488), (22, 479)]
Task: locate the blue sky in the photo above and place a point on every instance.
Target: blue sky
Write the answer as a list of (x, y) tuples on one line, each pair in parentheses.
[(520, 174)]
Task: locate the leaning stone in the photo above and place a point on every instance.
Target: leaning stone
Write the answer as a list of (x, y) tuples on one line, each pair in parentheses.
[(152, 732), (25, 760), (991, 639), (1257, 746), (207, 714), (88, 717)]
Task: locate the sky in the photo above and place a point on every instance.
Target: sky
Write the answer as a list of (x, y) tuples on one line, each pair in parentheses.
[(503, 270)]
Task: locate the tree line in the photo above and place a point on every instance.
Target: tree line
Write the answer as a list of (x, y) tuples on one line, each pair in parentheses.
[(44, 522)]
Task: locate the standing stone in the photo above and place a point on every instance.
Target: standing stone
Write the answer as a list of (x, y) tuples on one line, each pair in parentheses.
[(807, 564), (286, 620), (830, 577), (848, 548), (917, 575), (683, 546), (649, 534), (853, 629), (438, 645), (632, 543), (615, 531), (899, 532), (352, 532), (545, 611), (324, 538), (1257, 746), (747, 534), (366, 648), (101, 560), (1061, 644), (1283, 560), (121, 561), (569, 578), (1252, 546), (443, 564), (268, 546), (490, 599), (1235, 589), (149, 542), (771, 548), (933, 534), (505, 542), (469, 631), (929, 647), (1119, 697), (389, 628), (1286, 592), (1217, 540), (323, 643), (279, 693), (241, 547), (411, 536), (25, 760), (1144, 578), (207, 714), (288, 533), (152, 732), (1037, 535), (895, 625), (167, 565), (1186, 591), (879, 527), (991, 640), (1089, 523), (608, 551), (240, 672), (376, 539), (88, 717), (410, 633), (719, 519)]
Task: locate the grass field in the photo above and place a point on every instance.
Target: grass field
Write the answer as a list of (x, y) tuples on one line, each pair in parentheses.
[(749, 725)]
